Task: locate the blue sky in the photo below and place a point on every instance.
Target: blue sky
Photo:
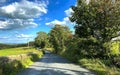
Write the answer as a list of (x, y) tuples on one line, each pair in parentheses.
[(20, 20)]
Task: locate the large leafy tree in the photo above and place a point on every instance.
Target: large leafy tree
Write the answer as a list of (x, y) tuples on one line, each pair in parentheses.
[(42, 40), (97, 18), (58, 37)]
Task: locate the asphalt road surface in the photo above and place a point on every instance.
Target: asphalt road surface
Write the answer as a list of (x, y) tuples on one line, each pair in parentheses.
[(52, 64)]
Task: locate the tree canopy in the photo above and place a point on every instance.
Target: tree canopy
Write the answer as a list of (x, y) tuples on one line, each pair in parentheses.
[(42, 39), (98, 17), (58, 37)]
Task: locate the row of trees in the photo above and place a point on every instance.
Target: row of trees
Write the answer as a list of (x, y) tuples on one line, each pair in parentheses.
[(4, 46), (97, 22), (99, 19), (56, 38)]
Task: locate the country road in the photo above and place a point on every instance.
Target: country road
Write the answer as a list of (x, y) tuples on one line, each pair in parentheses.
[(52, 64)]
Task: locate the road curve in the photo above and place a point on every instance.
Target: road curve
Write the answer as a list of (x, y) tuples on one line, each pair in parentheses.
[(52, 64)]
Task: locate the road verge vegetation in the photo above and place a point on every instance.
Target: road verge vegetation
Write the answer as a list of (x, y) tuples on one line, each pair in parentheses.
[(16, 59)]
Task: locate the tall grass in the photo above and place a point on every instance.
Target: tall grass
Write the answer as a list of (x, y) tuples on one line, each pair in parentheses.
[(99, 66)]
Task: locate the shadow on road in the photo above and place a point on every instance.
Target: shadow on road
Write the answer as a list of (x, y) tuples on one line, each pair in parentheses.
[(49, 71), (52, 64), (53, 58), (60, 69)]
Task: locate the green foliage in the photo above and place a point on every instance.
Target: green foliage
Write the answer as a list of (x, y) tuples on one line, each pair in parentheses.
[(116, 61), (12, 67), (96, 18), (42, 40), (115, 48), (99, 66), (99, 19), (58, 37), (72, 51), (96, 24), (89, 47)]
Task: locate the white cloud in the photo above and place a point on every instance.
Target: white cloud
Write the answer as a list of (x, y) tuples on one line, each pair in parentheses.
[(65, 21), (23, 36), (3, 37), (3, 24), (21, 14), (23, 10), (68, 12), (17, 23)]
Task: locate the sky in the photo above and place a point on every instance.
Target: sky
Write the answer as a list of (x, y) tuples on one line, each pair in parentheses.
[(20, 20)]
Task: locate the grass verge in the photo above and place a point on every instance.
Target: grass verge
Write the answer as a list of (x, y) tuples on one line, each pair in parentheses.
[(99, 66)]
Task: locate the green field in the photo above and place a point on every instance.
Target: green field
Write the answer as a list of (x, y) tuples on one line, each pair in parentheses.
[(17, 51)]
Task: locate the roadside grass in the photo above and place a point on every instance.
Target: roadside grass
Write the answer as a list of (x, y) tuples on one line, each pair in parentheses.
[(49, 49), (17, 51), (99, 66)]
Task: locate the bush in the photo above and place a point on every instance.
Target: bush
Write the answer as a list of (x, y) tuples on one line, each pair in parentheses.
[(12, 68), (116, 61), (115, 48), (77, 48), (72, 51)]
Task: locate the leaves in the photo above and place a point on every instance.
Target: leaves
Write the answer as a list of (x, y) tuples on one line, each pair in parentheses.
[(42, 40), (58, 37)]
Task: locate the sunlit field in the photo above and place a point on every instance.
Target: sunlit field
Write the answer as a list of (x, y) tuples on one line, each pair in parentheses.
[(17, 51)]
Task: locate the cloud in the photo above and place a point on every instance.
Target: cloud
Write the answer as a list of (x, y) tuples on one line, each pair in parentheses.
[(17, 38), (3, 37), (17, 23), (64, 22), (24, 36), (3, 24), (68, 12), (21, 14)]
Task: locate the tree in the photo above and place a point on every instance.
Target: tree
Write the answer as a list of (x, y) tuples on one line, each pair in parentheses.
[(97, 18), (42, 40), (58, 37)]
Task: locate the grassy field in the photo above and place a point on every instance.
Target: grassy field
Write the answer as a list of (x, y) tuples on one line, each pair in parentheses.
[(17, 51)]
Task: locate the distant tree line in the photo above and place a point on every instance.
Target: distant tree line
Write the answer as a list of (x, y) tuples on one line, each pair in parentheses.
[(4, 46)]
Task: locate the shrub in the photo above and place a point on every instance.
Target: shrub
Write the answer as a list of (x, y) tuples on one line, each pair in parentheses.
[(115, 48)]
